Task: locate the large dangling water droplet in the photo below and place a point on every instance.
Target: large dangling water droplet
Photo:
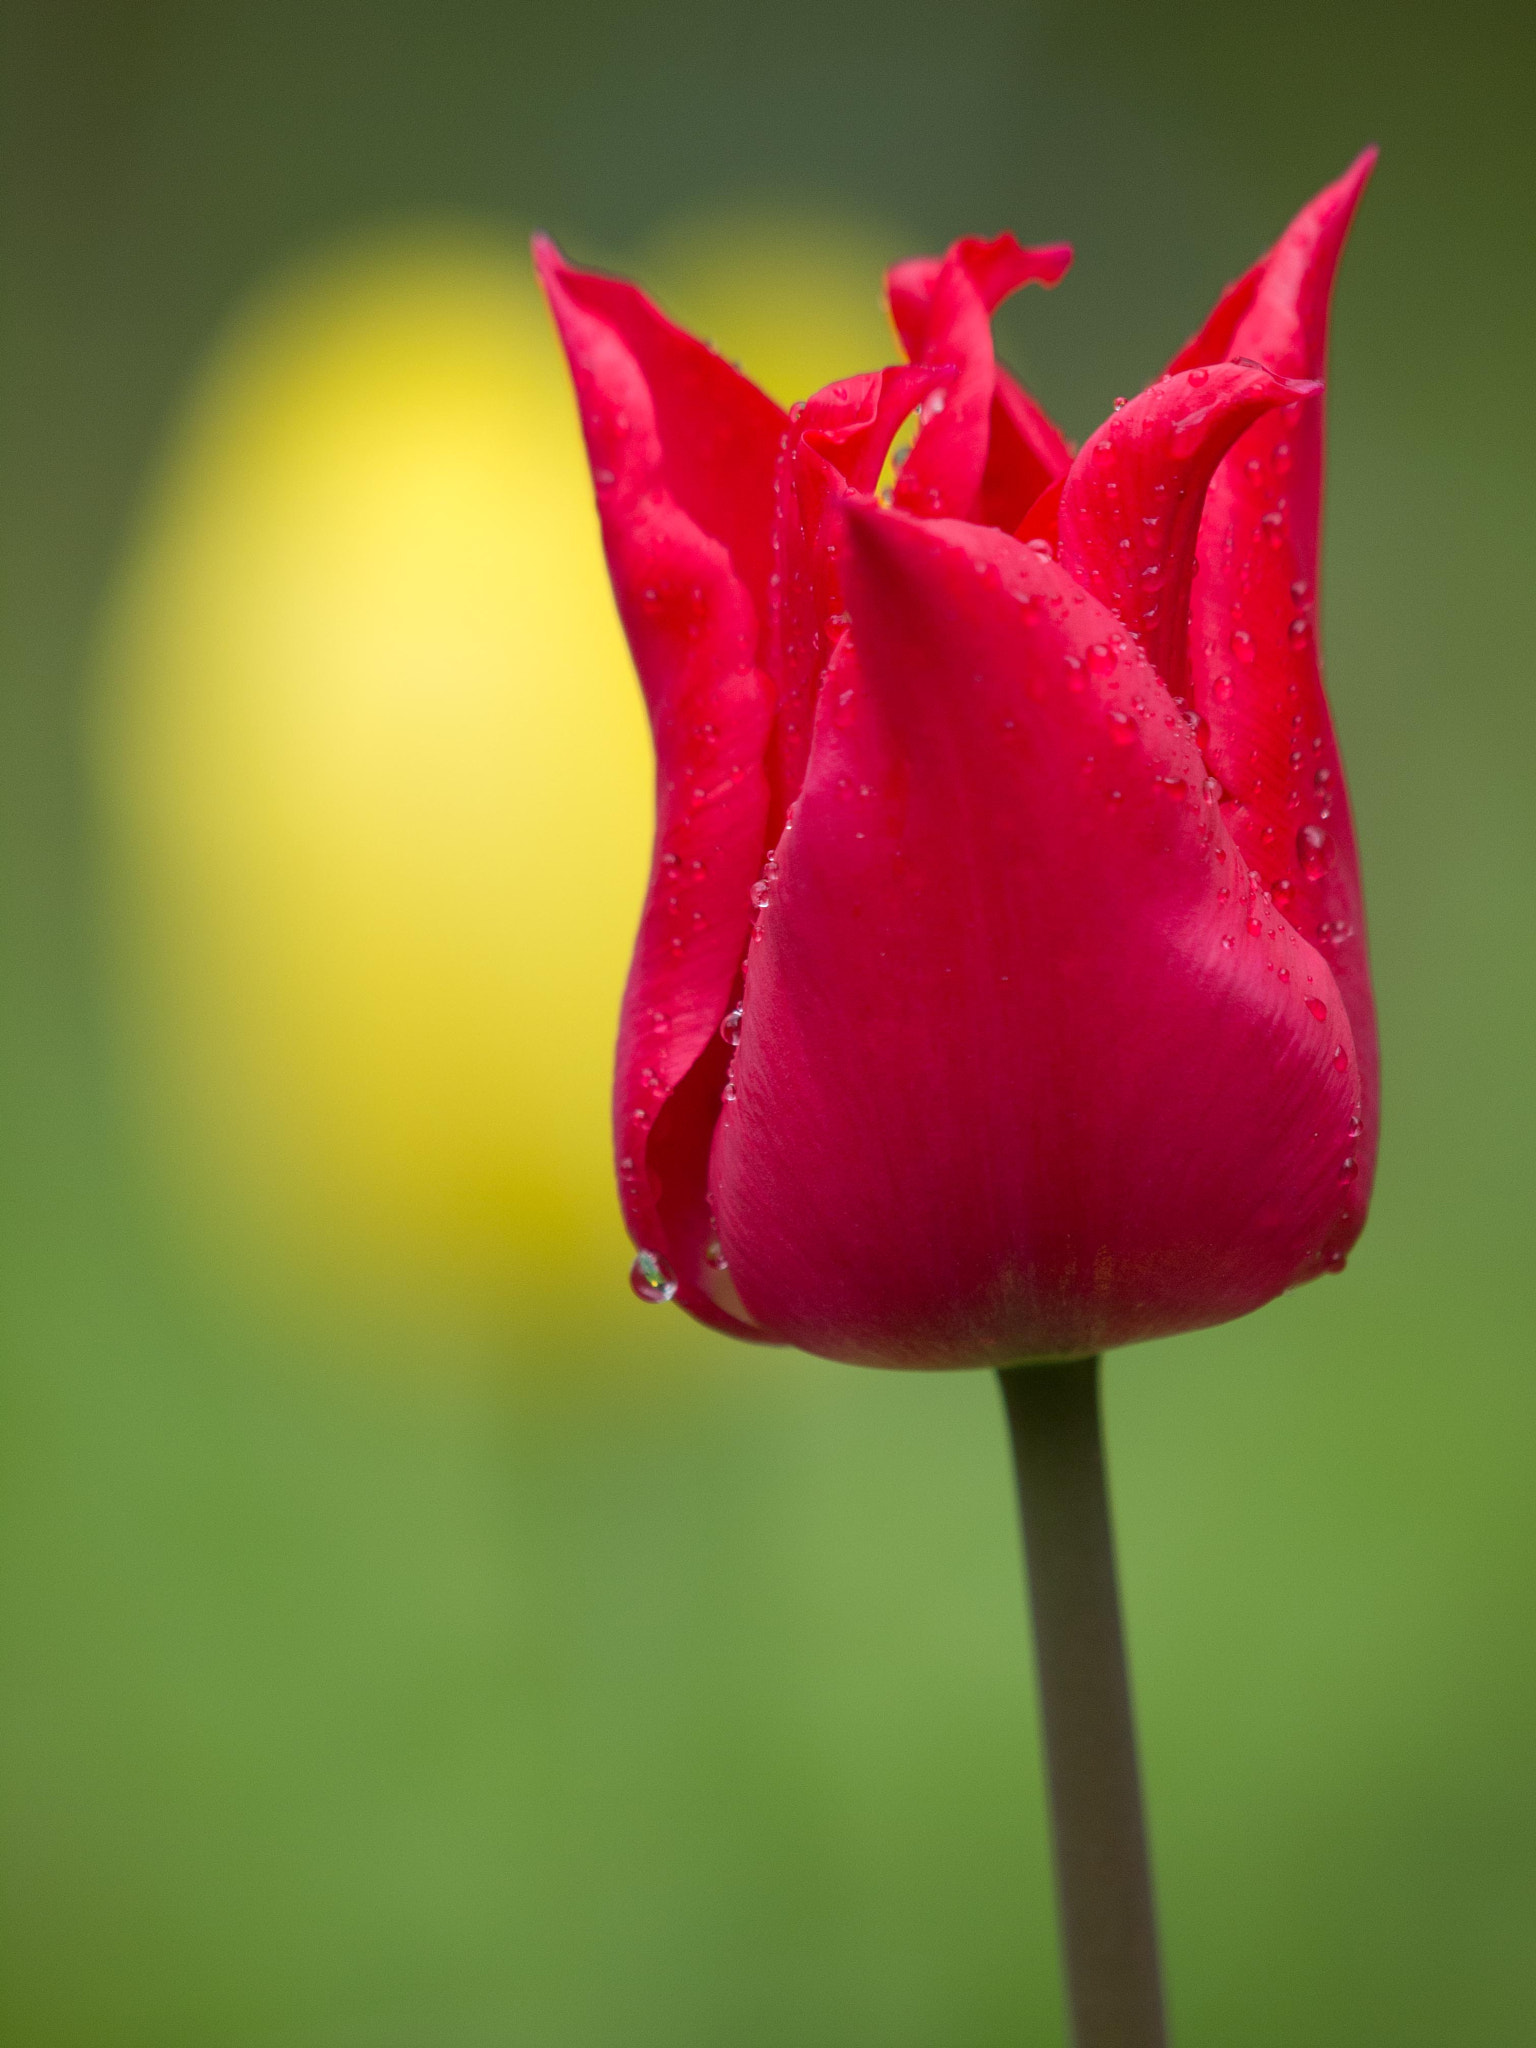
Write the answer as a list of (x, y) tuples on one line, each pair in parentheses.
[(730, 1026), (652, 1279)]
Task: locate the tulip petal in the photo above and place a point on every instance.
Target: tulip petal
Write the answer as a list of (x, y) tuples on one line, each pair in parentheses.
[(1253, 651), (683, 450), (1130, 507), (988, 451), (1016, 1079)]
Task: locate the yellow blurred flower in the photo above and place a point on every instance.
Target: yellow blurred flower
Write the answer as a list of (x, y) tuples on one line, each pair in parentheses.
[(377, 778)]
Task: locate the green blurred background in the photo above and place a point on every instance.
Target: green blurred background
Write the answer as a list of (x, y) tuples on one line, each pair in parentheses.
[(406, 1639)]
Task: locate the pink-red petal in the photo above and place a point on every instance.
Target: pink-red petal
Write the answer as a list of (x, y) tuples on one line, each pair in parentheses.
[(682, 449), (1131, 504), (1027, 1067), (1253, 647), (987, 450)]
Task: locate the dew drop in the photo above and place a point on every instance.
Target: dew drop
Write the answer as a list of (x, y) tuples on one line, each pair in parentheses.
[(1335, 1262), (1221, 689), (1198, 377), (1122, 728), (1242, 645), (759, 893), (715, 1258), (1316, 851), (1280, 461), (1299, 590), (1272, 529), (1298, 632), (730, 1026), (1317, 1008), (1283, 892), (1256, 927), (1349, 1167), (1101, 658), (652, 1279), (1340, 1060), (1172, 786)]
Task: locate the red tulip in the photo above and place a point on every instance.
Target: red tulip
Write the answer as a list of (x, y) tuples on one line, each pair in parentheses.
[(1001, 990)]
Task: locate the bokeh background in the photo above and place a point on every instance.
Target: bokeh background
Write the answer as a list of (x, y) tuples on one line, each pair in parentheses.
[(407, 1640)]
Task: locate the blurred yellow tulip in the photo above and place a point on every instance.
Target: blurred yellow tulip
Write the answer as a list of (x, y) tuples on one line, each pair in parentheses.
[(377, 778)]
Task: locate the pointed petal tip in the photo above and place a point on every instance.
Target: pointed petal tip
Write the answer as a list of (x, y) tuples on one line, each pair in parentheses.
[(1363, 165)]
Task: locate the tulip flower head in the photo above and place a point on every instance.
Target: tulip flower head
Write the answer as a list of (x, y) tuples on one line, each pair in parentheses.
[(1001, 989)]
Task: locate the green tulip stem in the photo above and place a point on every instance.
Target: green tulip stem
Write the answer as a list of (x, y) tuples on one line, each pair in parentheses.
[(1103, 1876)]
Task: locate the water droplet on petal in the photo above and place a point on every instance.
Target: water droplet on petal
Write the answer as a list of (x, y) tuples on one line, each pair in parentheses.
[(1316, 851), (1242, 645), (1349, 1167), (715, 1258), (652, 1279), (1318, 1008), (730, 1026), (1335, 1262), (1299, 632), (1122, 728), (1283, 892), (1101, 658), (759, 893), (1340, 1060)]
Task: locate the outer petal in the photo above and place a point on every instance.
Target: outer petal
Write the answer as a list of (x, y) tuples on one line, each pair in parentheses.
[(1026, 1068), (682, 450), (988, 450), (1131, 504), (1253, 627)]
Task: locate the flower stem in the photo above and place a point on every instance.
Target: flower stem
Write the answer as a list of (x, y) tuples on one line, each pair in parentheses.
[(1103, 1877)]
